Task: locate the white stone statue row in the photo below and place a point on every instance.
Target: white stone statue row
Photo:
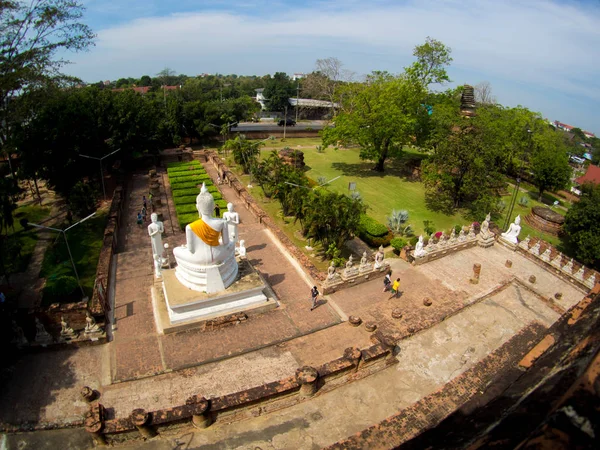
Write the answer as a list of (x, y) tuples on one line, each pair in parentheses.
[(422, 250), (363, 267), (557, 262)]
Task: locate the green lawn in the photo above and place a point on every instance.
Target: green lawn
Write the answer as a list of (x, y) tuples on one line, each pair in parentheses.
[(19, 244), (85, 242), (391, 190), (380, 192)]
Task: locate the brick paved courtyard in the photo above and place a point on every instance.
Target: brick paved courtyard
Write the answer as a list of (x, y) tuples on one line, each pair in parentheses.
[(272, 345)]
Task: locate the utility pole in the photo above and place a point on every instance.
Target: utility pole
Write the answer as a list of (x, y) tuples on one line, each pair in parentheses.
[(284, 120), (101, 169), (297, 99)]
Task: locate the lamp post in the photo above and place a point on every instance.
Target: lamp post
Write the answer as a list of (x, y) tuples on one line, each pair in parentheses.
[(64, 233), (101, 169), (514, 197)]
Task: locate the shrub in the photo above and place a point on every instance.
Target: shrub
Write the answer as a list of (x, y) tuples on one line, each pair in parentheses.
[(82, 199), (320, 149), (183, 164), (500, 206), (413, 241), (59, 286), (374, 233), (524, 201), (428, 226), (184, 192), (398, 243), (372, 227), (457, 229), (397, 222), (355, 195)]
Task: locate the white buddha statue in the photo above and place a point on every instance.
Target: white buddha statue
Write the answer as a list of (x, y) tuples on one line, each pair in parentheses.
[(513, 231), (419, 251), (233, 220), (155, 230), (206, 263)]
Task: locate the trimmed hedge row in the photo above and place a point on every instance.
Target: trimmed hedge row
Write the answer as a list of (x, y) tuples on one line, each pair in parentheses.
[(184, 164), (188, 178), (177, 172), (374, 233), (194, 185)]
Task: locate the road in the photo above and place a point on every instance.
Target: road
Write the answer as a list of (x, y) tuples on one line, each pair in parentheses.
[(272, 126)]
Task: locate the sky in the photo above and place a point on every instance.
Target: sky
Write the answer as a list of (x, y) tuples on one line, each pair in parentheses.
[(541, 54)]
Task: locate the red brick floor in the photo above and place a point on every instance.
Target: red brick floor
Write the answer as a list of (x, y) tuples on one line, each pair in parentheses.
[(140, 351)]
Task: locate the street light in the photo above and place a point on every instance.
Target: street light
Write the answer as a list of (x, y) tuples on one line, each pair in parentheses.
[(101, 169), (513, 200), (64, 232)]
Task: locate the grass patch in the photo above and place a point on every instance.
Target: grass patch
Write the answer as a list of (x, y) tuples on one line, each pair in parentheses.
[(185, 179), (16, 247), (85, 242)]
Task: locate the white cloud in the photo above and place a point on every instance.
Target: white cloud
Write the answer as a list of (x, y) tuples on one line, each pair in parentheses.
[(548, 44)]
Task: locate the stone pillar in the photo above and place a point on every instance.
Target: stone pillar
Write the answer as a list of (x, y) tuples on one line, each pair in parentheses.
[(200, 411), (140, 418), (307, 377), (476, 273), (94, 424), (354, 355), (88, 394)]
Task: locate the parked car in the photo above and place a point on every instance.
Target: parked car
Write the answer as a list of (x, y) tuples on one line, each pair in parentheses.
[(287, 122)]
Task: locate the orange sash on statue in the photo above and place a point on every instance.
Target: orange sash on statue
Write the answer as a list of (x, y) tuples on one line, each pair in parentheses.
[(205, 232)]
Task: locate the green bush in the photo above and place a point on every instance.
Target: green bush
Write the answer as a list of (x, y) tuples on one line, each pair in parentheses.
[(184, 192), (371, 226), (186, 209), (82, 199), (59, 286), (374, 233), (398, 243), (182, 173), (188, 178), (413, 241)]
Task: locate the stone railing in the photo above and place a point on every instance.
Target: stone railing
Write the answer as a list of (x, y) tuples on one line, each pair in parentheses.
[(261, 215), (201, 412), (353, 276), (443, 247), (554, 261)]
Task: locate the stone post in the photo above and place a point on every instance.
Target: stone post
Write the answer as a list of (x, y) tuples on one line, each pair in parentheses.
[(94, 424), (390, 345), (354, 355), (88, 394), (140, 418), (476, 273), (200, 411), (307, 377)]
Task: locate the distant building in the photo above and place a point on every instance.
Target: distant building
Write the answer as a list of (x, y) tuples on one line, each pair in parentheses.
[(565, 127), (311, 108), (298, 76), (591, 176)]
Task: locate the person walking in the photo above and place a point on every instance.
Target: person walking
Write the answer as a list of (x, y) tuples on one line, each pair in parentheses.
[(144, 200), (395, 288), (144, 212), (217, 211), (314, 294), (387, 281), (140, 220)]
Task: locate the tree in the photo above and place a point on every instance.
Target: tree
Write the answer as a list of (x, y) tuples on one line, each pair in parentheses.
[(278, 91), (31, 35), (380, 116), (167, 76), (325, 81), (432, 58), (578, 133), (245, 152), (483, 93), (467, 157), (549, 162), (582, 226)]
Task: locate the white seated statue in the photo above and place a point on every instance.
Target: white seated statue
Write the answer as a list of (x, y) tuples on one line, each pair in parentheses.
[(206, 263), (419, 251), (233, 220), (484, 231), (513, 231)]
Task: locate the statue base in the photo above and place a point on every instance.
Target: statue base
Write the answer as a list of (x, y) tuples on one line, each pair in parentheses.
[(511, 245), (485, 242), (176, 307)]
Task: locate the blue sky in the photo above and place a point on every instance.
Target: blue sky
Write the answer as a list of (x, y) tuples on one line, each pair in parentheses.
[(541, 54)]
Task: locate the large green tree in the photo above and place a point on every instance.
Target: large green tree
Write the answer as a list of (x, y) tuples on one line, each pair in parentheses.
[(31, 35), (278, 91), (432, 59), (582, 226), (381, 116), (549, 161)]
